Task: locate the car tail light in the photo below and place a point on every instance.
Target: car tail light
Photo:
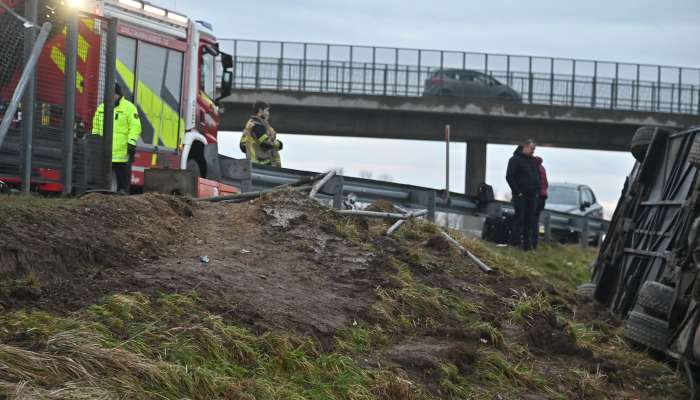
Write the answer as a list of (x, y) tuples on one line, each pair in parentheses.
[(436, 80)]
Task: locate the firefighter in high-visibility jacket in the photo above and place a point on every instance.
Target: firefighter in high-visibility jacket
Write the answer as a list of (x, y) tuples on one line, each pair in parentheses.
[(125, 135), (259, 140)]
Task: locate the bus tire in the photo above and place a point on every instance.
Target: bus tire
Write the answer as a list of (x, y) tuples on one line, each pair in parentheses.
[(646, 330), (656, 299)]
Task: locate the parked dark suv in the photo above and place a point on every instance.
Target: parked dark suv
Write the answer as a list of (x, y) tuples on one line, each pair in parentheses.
[(468, 83), (574, 199)]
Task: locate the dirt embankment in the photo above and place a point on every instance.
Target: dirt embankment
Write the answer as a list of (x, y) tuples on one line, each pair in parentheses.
[(408, 305)]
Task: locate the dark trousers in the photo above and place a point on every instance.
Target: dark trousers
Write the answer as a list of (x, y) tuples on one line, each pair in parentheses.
[(525, 221), (122, 171), (540, 206)]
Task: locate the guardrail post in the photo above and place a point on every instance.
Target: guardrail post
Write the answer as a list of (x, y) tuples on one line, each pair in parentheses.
[(386, 75), (342, 78), (680, 88), (408, 72), (617, 83), (636, 98), (551, 81), (425, 198), (235, 63), (658, 88), (280, 72), (612, 94), (374, 66), (547, 216), (304, 68), (583, 238), (396, 70), (573, 84), (509, 79), (337, 184), (529, 86), (673, 91), (351, 77), (328, 66), (594, 93), (301, 67), (257, 67), (364, 78), (320, 78), (418, 74)]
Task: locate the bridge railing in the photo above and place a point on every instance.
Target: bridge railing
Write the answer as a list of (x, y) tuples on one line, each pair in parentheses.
[(364, 70)]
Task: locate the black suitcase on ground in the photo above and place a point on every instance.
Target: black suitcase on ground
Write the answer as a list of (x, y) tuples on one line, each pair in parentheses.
[(497, 229)]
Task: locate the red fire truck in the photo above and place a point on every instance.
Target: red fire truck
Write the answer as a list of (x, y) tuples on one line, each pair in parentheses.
[(166, 65)]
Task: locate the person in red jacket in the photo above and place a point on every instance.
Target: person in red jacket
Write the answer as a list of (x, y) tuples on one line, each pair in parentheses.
[(544, 186)]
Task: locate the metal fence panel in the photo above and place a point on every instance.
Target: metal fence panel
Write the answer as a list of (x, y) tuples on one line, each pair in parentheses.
[(50, 106), (387, 71)]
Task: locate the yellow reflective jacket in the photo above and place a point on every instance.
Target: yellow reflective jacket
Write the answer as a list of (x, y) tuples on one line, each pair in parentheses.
[(259, 143), (127, 128)]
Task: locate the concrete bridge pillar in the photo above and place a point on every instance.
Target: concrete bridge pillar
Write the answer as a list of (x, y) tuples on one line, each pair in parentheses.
[(476, 166)]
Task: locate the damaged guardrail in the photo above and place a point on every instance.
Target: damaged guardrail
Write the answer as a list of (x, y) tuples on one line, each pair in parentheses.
[(343, 189)]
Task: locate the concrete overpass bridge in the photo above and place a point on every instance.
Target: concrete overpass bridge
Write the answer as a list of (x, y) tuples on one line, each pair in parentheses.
[(360, 91), (423, 118)]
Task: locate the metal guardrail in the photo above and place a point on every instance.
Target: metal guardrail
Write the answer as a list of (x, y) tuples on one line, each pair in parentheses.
[(348, 69), (340, 188)]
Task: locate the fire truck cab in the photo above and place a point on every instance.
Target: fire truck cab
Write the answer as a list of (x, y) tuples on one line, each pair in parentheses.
[(167, 66)]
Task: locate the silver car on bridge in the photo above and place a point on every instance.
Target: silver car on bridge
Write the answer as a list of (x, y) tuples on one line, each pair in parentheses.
[(468, 83)]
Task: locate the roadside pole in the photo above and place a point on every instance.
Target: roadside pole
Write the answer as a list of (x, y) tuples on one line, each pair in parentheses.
[(447, 163), (28, 102), (69, 104), (108, 101)]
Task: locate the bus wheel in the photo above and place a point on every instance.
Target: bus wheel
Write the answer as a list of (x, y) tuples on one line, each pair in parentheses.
[(646, 330)]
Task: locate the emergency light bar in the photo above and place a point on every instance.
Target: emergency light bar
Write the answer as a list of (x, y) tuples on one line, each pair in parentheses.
[(177, 17), (132, 3), (156, 11)]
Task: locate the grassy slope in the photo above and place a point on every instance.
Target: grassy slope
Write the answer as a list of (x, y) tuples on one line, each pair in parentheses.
[(171, 347)]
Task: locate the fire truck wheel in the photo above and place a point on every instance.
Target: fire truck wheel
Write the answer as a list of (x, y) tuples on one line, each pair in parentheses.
[(193, 166), (656, 299), (586, 291), (647, 331)]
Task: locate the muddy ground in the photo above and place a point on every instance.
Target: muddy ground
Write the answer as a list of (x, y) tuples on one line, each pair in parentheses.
[(285, 263)]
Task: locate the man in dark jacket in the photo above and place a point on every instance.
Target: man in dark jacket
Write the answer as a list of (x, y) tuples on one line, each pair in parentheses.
[(523, 177)]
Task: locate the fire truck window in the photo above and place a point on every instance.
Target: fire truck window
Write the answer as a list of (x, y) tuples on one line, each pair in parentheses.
[(171, 96), (126, 54), (151, 76), (207, 81), (173, 78)]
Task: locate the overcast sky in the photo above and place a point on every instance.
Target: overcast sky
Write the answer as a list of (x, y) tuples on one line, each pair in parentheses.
[(639, 31)]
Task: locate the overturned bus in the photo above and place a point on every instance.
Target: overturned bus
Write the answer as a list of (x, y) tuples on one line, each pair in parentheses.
[(647, 269)]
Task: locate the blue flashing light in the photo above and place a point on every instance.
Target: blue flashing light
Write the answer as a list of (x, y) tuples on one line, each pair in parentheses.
[(205, 24)]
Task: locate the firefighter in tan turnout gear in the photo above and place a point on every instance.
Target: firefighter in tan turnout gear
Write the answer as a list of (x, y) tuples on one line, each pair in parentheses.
[(259, 140)]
